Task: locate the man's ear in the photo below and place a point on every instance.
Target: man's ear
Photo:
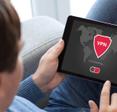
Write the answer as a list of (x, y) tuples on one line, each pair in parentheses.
[(1, 85), (2, 95), (0, 78)]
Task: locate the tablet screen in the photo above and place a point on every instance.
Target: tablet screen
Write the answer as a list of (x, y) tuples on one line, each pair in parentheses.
[(90, 50)]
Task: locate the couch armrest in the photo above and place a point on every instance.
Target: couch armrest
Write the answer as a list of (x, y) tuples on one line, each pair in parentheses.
[(39, 34)]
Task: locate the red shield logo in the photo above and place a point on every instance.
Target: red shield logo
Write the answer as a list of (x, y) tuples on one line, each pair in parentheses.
[(101, 44)]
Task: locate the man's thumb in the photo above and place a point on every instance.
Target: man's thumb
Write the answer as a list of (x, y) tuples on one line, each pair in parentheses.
[(93, 106), (58, 48)]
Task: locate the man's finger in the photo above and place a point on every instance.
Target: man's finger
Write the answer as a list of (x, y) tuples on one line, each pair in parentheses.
[(56, 50), (93, 106), (105, 95)]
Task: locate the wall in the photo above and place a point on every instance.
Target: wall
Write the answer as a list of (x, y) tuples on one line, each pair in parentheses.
[(58, 9)]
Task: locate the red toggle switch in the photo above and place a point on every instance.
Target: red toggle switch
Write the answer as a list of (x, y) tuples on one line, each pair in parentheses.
[(95, 70)]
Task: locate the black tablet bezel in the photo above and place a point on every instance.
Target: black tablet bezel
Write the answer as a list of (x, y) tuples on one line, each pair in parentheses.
[(66, 33)]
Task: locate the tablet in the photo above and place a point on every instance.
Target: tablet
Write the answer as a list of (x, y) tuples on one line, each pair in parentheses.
[(90, 50)]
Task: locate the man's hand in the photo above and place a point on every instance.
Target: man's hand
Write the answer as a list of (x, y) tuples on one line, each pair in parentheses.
[(105, 104), (46, 77)]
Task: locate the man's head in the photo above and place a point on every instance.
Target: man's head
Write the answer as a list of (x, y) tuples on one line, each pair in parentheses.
[(9, 36), (10, 45)]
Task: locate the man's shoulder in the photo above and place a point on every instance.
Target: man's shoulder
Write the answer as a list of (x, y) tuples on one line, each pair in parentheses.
[(21, 104)]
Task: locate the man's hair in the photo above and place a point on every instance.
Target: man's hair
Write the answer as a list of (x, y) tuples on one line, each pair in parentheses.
[(10, 32)]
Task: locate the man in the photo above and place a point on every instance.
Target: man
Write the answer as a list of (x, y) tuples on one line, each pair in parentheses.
[(43, 80), (11, 68)]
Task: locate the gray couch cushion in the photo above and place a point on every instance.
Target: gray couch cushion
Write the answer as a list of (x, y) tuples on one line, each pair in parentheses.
[(39, 34)]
